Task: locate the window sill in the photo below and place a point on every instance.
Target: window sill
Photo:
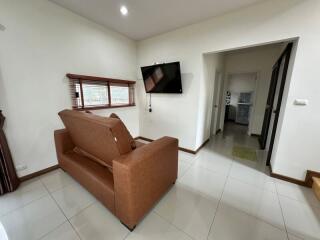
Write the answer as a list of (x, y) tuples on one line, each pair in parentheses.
[(103, 107)]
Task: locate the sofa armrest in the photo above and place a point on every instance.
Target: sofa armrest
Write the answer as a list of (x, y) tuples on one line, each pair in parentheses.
[(142, 176)]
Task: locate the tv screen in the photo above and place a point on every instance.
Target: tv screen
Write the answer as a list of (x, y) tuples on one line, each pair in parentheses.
[(162, 78)]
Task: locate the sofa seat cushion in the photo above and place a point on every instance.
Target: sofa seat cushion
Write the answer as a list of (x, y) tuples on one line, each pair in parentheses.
[(96, 178)]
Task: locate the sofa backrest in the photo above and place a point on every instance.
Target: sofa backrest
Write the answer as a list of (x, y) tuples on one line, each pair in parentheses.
[(101, 137)]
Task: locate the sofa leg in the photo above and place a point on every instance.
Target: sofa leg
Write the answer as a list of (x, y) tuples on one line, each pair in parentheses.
[(130, 229)]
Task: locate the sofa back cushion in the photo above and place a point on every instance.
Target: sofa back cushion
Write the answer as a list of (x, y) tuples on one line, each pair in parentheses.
[(128, 134), (102, 138)]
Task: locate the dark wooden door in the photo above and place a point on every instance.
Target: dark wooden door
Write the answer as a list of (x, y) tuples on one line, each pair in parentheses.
[(268, 110), (282, 76), (272, 110)]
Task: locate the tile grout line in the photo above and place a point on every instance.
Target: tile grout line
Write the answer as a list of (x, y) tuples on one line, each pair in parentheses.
[(264, 190), (199, 192), (188, 168), (229, 177), (251, 185), (299, 201), (224, 186), (156, 213), (284, 221), (172, 224), (25, 204), (48, 195), (235, 179), (66, 186), (62, 187), (260, 219), (76, 232), (216, 171), (176, 227), (51, 230), (126, 236)]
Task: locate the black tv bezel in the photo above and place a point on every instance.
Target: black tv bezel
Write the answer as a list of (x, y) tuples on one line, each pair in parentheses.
[(162, 64)]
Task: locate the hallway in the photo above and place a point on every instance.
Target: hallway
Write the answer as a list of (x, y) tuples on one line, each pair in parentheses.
[(238, 135)]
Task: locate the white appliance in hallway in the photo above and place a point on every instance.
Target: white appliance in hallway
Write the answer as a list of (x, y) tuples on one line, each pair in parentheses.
[(244, 108), (242, 88)]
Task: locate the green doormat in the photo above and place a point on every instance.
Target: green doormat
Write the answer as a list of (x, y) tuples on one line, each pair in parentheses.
[(244, 153)]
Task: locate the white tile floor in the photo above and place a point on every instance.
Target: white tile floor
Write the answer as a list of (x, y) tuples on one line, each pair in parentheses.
[(216, 197)]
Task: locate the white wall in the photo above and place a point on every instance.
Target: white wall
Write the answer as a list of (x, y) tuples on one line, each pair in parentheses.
[(172, 114), (258, 60), (265, 22), (242, 82), (41, 43)]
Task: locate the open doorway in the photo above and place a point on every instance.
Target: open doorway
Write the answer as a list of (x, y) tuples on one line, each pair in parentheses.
[(247, 94), (240, 99)]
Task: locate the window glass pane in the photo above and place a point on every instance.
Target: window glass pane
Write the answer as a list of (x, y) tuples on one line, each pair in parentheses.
[(94, 95), (78, 95), (119, 95)]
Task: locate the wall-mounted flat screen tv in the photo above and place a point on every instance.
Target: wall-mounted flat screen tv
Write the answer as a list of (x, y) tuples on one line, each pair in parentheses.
[(162, 78)]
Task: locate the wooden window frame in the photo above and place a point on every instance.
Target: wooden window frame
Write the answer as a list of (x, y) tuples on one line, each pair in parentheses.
[(109, 82)]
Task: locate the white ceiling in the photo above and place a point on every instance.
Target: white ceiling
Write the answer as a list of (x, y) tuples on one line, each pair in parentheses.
[(147, 18)]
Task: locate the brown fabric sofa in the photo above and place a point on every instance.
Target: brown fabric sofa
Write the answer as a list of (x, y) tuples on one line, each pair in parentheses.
[(96, 151)]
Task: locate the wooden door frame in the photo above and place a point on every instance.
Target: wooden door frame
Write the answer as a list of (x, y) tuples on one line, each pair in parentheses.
[(287, 54)]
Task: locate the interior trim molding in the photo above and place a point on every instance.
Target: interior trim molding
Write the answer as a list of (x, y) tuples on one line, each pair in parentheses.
[(255, 135), (202, 145), (39, 173), (306, 183), (180, 148), (309, 176), (288, 179)]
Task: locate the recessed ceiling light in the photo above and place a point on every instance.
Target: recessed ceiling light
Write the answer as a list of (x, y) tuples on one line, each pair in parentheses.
[(124, 10)]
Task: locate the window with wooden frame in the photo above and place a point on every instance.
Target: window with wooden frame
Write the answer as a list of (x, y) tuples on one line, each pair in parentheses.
[(88, 92)]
